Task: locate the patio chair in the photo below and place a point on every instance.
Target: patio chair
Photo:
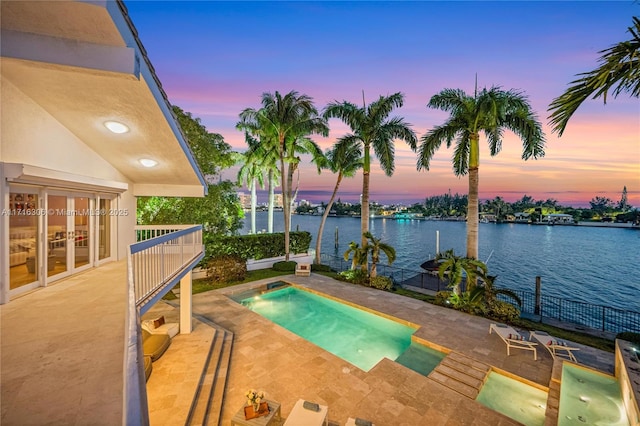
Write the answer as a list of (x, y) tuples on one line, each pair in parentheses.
[(513, 339), (303, 269), (556, 347), (306, 413)]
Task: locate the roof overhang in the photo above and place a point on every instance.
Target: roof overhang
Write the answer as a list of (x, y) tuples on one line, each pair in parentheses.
[(83, 63)]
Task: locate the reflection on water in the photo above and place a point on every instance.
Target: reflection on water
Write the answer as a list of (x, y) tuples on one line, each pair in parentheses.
[(595, 265)]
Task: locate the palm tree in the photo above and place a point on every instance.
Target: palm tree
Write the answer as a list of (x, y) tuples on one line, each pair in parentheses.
[(457, 268), (251, 173), (490, 111), (284, 122), (268, 156), (371, 126), (345, 161), (359, 255), (619, 68), (375, 246)]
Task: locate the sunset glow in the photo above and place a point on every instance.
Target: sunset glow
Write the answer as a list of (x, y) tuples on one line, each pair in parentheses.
[(216, 58)]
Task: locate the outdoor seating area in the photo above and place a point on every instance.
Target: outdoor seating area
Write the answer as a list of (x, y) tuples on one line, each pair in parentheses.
[(513, 339), (556, 347), (303, 269)]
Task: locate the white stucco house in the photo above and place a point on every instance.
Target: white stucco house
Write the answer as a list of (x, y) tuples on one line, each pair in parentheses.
[(85, 129)]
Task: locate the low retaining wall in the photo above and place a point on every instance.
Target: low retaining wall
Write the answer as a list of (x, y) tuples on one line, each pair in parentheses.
[(253, 265)]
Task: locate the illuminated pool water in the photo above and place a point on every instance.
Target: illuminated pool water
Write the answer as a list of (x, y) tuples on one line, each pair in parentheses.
[(521, 402), (590, 398), (420, 358), (357, 336)]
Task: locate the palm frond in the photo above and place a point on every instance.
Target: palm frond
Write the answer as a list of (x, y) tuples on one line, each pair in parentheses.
[(618, 72)]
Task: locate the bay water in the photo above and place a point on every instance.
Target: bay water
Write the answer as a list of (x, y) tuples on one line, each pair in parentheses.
[(587, 264)]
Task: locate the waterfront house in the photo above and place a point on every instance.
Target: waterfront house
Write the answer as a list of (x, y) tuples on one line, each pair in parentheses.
[(86, 128)]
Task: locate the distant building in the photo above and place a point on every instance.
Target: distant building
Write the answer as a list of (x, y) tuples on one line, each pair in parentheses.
[(245, 200)]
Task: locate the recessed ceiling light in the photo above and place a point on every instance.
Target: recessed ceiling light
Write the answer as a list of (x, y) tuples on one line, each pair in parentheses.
[(147, 162), (116, 127)]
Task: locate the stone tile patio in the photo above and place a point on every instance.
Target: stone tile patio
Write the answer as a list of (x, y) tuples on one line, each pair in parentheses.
[(268, 357)]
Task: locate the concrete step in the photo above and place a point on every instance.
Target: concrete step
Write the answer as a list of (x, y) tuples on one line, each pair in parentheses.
[(206, 407), (461, 374), (217, 396), (199, 405), (462, 388)]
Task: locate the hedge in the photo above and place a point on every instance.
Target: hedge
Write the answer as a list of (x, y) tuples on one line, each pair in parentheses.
[(256, 246)]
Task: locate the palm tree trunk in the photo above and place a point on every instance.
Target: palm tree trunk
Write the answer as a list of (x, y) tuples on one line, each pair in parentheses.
[(364, 208), (271, 202), (254, 201), (324, 218), (285, 203), (472, 208)]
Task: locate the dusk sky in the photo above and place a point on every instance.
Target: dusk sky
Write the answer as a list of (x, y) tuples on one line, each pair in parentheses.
[(216, 58)]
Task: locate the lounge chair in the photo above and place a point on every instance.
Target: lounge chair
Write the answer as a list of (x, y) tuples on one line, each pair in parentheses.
[(556, 347), (306, 413), (303, 269), (513, 339)]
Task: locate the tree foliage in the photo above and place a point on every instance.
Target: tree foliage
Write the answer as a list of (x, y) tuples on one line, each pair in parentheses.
[(619, 72), (219, 212)]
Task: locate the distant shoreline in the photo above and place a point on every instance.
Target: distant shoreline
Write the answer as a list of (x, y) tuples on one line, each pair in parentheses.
[(625, 225)]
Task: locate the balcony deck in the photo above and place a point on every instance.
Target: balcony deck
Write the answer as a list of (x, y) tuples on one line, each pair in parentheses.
[(62, 351)]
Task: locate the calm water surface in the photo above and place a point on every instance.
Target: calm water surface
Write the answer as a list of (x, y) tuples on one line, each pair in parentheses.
[(595, 265)]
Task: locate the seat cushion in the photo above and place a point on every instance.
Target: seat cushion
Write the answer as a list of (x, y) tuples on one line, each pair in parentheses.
[(148, 366), (154, 345)]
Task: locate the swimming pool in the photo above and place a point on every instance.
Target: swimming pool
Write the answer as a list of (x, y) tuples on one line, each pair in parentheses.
[(588, 397), (513, 398), (357, 336)]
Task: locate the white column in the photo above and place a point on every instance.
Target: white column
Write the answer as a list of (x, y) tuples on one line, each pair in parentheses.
[(185, 304)]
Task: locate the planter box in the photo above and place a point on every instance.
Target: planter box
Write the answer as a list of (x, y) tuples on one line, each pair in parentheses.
[(253, 265)]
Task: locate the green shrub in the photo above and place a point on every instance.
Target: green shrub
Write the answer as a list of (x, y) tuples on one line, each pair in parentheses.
[(355, 276), (285, 266), (502, 311), (226, 268), (383, 283), (256, 246), (442, 298), (320, 268), (629, 336)]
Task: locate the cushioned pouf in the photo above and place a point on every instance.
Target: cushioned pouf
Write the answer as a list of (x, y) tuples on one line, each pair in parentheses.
[(148, 366), (154, 345)]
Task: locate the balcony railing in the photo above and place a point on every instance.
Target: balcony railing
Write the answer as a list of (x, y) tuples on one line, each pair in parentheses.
[(162, 256)]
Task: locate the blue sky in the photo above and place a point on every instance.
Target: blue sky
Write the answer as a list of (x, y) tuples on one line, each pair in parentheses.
[(217, 58)]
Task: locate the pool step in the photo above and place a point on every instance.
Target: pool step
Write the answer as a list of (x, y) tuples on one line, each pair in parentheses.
[(461, 374)]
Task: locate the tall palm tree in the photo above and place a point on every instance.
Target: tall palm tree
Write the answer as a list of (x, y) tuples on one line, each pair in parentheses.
[(251, 173), (268, 156), (372, 127), (491, 112), (619, 68), (284, 122), (458, 268), (345, 160)]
